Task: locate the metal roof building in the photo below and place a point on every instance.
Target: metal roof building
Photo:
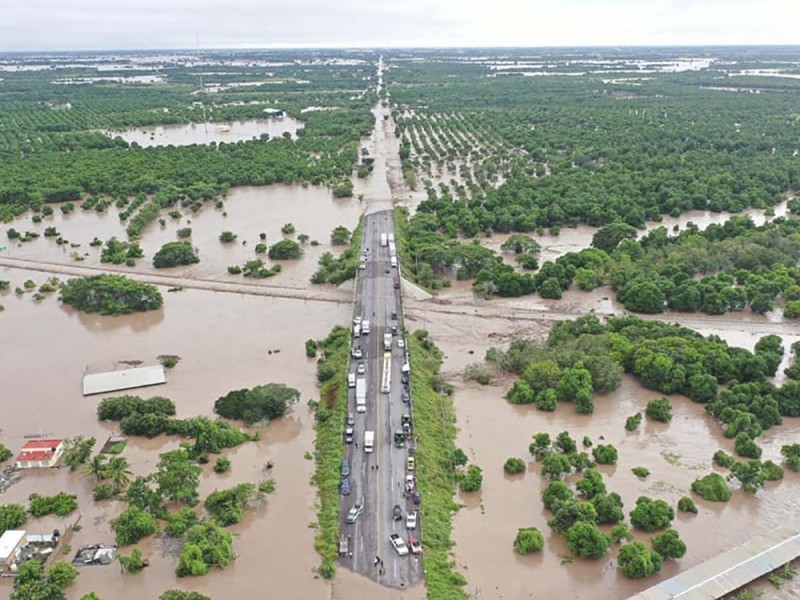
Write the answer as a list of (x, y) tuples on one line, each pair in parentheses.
[(730, 570), (10, 541), (124, 379)]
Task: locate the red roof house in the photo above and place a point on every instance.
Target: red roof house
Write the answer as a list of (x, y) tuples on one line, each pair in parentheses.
[(40, 454)]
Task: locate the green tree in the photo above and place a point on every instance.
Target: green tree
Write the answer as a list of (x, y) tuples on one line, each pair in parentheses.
[(472, 480), (712, 487), (61, 574), (659, 409), (177, 477), (514, 465), (77, 451), (132, 525), (791, 456), (119, 472), (586, 540), (605, 454), (556, 493), (173, 254), (182, 595), (686, 504), (651, 515), (207, 545), (528, 540), (284, 250), (609, 237), (669, 544), (340, 236), (12, 516), (226, 237), (263, 402), (133, 563), (97, 467), (110, 295), (554, 466), (620, 532), (745, 446), (637, 561)]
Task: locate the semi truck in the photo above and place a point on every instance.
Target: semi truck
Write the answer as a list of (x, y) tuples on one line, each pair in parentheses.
[(369, 441), (384, 240), (361, 395)]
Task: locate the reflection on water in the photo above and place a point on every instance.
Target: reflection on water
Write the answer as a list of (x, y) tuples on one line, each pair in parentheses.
[(206, 133)]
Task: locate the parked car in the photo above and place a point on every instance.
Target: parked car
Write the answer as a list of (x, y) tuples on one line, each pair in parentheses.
[(345, 487), (357, 320), (409, 483), (394, 314), (349, 432), (362, 266), (411, 463), (361, 369), (414, 544), (399, 544), (345, 468), (396, 283), (354, 512), (406, 397), (411, 520), (401, 343), (397, 512), (351, 419), (357, 353)]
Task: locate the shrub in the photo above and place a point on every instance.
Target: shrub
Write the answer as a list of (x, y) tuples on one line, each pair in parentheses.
[(61, 504), (311, 348), (182, 595), (556, 493), (261, 248), (180, 522), (513, 466), (712, 487), (12, 516), (477, 372), (791, 456), (223, 464), (184, 233), (235, 270), (605, 454), (267, 486), (528, 540), (472, 480), (227, 237), (288, 229), (5, 453), (102, 491), (620, 532), (554, 466), (226, 507), (686, 504), (133, 563), (173, 254), (340, 236), (641, 472), (659, 409)]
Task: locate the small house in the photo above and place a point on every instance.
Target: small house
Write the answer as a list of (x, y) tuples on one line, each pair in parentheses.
[(37, 454), (10, 543)]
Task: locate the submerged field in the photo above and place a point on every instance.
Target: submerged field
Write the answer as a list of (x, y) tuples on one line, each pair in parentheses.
[(536, 185)]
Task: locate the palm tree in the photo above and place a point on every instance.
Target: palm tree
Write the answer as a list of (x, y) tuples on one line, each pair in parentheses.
[(97, 467), (119, 472)]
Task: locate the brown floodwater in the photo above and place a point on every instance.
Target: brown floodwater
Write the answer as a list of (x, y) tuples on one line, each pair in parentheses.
[(250, 211), (224, 341), (491, 430), (206, 133)]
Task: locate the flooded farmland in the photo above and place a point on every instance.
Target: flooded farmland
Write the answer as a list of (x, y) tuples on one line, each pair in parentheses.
[(492, 430), (207, 133), (248, 212), (226, 342)]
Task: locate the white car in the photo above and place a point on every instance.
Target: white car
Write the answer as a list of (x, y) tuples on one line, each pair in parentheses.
[(357, 320), (411, 520), (354, 513), (362, 266), (401, 343), (357, 353), (399, 544), (361, 369)]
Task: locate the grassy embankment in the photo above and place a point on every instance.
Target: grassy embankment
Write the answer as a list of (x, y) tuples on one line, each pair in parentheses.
[(401, 239), (330, 418), (434, 423)]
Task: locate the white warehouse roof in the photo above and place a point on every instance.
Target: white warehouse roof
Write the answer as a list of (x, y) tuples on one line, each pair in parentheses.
[(10, 540), (111, 381)]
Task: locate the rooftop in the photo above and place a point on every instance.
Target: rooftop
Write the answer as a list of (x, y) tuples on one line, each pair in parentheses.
[(124, 379)]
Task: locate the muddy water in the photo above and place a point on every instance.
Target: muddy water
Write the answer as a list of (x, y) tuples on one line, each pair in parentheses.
[(250, 211), (491, 430), (207, 133), (224, 342)]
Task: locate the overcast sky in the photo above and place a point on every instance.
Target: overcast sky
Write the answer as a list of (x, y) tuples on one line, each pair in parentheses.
[(132, 24)]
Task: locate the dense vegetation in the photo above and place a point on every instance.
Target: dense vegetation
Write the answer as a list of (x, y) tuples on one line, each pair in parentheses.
[(173, 254), (50, 149), (110, 295), (585, 356), (263, 402), (436, 459)]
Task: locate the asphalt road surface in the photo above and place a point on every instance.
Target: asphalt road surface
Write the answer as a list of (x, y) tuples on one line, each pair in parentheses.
[(378, 478)]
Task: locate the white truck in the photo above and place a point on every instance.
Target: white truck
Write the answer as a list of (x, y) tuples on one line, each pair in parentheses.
[(384, 240), (361, 395), (393, 261), (391, 238), (357, 330), (387, 342), (351, 380), (369, 441), (392, 249), (365, 326)]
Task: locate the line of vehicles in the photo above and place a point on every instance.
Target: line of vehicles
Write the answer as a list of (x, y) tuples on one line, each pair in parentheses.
[(402, 436)]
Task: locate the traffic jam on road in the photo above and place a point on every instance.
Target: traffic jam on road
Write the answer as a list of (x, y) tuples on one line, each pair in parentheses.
[(403, 511)]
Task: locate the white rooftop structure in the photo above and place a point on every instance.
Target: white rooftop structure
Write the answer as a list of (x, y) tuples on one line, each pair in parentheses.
[(124, 379), (9, 542)]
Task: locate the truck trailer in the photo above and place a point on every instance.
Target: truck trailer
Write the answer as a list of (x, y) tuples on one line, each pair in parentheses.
[(361, 395)]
